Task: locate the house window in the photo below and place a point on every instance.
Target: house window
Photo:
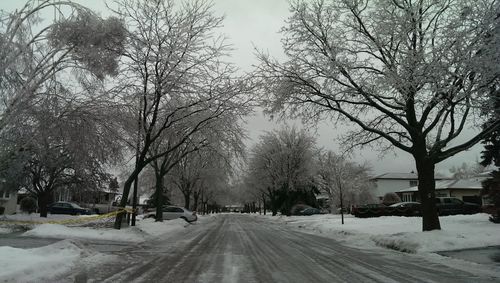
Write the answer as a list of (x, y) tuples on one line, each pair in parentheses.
[(413, 183), (407, 196)]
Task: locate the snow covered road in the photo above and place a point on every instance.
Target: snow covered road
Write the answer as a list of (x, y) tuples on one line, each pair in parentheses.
[(239, 248)]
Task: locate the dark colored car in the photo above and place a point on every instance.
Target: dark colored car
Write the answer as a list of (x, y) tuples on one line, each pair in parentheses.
[(310, 211), (404, 209), (368, 210), (450, 206), (296, 209), (63, 207)]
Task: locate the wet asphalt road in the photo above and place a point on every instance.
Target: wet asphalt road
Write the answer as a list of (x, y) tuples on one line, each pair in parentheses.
[(239, 248)]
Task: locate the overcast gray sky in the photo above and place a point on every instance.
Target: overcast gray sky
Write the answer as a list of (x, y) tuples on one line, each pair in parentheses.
[(250, 23)]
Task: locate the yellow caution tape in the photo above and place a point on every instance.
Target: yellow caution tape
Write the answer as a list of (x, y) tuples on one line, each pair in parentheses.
[(71, 221)]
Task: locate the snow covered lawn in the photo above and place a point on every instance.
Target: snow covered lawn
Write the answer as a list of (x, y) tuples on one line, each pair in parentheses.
[(45, 263), (402, 233)]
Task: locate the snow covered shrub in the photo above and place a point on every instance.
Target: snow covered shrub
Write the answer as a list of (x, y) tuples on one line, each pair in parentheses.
[(28, 204), (391, 198)]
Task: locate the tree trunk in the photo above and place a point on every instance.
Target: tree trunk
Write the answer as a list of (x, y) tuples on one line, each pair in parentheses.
[(273, 202), (274, 207), (264, 203), (159, 197), (204, 206), (427, 193), (123, 201), (187, 197), (196, 196), (44, 199)]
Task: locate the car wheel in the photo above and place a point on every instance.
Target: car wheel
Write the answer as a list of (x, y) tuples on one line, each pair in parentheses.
[(185, 219)]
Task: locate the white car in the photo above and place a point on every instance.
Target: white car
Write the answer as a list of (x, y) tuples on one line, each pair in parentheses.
[(173, 212)]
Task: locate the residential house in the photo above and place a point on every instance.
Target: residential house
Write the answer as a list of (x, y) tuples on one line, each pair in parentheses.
[(468, 190), (8, 200), (394, 182), (99, 200)]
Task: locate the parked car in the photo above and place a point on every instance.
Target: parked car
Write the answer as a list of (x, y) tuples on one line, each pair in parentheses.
[(310, 211), (297, 208), (404, 209), (170, 212), (368, 210), (63, 207), (450, 205)]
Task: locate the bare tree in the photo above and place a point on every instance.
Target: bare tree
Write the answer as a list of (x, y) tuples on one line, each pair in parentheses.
[(466, 171), (280, 163), (410, 75), (214, 178), (198, 172), (162, 166), (342, 180), (173, 65), (187, 175), (205, 157)]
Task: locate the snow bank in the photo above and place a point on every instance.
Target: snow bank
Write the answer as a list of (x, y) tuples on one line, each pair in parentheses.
[(64, 232), (154, 229), (4, 230), (402, 233), (45, 263), (145, 229)]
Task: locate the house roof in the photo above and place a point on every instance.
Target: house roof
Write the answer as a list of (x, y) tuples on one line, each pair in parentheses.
[(397, 176), (455, 184), (402, 176)]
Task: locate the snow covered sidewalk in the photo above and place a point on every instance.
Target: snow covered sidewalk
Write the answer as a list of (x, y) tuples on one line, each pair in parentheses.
[(402, 233), (146, 229)]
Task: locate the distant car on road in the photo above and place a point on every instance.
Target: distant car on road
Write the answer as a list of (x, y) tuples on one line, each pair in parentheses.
[(170, 212), (63, 207), (450, 206)]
